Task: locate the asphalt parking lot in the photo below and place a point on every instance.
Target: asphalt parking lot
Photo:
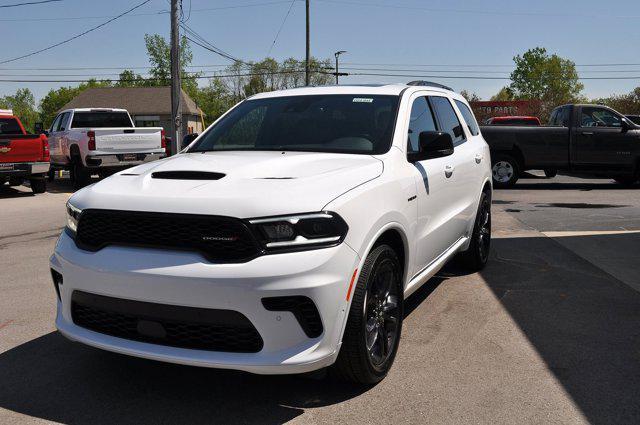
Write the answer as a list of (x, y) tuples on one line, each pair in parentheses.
[(549, 332)]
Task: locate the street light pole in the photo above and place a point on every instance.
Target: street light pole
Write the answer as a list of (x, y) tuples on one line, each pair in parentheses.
[(176, 107), (337, 55)]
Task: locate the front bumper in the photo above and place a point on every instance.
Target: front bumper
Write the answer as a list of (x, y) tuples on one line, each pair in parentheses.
[(186, 279), (23, 169), (121, 160)]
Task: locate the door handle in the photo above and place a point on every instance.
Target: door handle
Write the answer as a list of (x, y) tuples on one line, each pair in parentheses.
[(448, 171), (479, 158), (587, 133)]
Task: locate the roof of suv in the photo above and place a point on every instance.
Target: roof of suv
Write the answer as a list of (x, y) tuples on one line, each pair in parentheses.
[(368, 89)]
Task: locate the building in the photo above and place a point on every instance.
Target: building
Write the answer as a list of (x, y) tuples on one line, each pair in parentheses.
[(148, 106), (484, 110)]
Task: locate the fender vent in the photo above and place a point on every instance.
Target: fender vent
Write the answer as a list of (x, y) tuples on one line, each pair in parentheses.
[(187, 175)]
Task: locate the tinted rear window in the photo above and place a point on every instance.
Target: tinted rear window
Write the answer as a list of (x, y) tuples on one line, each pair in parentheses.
[(100, 120), (516, 122), (9, 126)]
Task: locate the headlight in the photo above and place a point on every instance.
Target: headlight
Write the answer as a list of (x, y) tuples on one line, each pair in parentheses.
[(301, 231), (73, 214)]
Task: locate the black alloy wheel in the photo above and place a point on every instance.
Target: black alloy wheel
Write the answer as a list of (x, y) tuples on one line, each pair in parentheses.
[(476, 256)]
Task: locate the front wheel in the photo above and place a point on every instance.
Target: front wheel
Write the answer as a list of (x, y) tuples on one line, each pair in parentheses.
[(374, 324), (476, 256), (505, 171), (79, 174), (626, 180), (550, 173)]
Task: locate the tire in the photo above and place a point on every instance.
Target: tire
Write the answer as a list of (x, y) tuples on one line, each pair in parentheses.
[(374, 320), (38, 185), (79, 174), (550, 173), (476, 256), (51, 175), (626, 180), (505, 171)]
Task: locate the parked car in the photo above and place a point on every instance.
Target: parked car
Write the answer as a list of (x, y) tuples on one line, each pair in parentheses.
[(286, 238), (101, 141), (634, 118), (591, 140), (513, 120), (22, 156)]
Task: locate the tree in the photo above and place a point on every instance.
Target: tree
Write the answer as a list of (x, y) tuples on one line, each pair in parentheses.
[(128, 78), (159, 55), (505, 94), (24, 107), (548, 78), (626, 103), (214, 99), (470, 96)]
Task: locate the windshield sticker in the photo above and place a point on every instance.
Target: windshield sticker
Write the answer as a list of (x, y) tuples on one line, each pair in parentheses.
[(362, 100)]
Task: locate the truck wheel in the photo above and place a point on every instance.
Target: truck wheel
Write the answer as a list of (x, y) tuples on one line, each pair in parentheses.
[(505, 171), (372, 334), (550, 173), (79, 174), (15, 181), (476, 256), (626, 180), (51, 175), (38, 185)]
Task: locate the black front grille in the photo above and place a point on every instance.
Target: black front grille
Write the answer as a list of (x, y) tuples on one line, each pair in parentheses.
[(175, 326), (219, 239)]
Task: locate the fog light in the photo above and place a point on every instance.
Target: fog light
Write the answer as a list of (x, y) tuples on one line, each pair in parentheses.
[(57, 281)]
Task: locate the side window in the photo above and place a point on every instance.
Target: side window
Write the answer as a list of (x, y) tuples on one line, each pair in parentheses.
[(56, 123), (553, 119), (421, 120), (599, 117), (559, 117), (64, 121), (448, 119), (468, 116)]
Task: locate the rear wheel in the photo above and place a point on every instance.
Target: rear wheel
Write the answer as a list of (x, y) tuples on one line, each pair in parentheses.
[(550, 173), (38, 185), (505, 171), (51, 175), (476, 256), (79, 174), (373, 329)]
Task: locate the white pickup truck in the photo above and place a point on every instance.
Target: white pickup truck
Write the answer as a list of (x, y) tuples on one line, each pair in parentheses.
[(101, 141)]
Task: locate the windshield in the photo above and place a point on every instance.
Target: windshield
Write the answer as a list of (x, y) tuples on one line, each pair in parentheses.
[(100, 119), (360, 124)]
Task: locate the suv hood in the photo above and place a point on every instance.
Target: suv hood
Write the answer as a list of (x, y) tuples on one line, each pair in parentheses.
[(253, 184)]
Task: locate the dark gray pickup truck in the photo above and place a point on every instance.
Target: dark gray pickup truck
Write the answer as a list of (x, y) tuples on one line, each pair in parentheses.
[(589, 140)]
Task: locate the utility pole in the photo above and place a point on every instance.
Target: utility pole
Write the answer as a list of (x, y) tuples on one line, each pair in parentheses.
[(337, 55), (176, 98), (307, 69)]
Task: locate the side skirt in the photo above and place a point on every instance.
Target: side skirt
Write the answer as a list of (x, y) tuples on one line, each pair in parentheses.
[(428, 272)]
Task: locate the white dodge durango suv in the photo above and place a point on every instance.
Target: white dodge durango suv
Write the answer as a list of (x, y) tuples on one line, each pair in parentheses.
[(285, 238)]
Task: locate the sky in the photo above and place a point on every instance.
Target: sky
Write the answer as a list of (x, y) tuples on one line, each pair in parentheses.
[(475, 40)]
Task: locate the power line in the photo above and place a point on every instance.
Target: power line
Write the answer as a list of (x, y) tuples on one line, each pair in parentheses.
[(75, 36), (466, 77), (28, 3), (160, 12), (281, 26), (114, 80)]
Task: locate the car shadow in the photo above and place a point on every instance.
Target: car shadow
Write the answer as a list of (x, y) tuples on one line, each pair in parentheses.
[(7, 192), (583, 322)]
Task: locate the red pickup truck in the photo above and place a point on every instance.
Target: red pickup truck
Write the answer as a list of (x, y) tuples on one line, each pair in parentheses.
[(22, 156)]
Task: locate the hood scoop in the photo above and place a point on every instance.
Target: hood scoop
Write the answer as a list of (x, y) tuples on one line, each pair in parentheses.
[(187, 175)]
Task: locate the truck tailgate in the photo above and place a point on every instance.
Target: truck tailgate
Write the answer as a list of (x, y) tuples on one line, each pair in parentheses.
[(20, 148), (128, 139)]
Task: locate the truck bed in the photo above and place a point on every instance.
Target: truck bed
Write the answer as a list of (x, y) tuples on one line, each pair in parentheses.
[(539, 146)]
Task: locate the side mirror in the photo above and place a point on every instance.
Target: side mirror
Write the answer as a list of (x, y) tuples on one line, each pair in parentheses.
[(38, 128), (188, 138), (433, 144)]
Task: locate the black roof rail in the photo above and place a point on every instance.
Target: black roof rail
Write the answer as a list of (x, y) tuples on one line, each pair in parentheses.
[(429, 84)]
